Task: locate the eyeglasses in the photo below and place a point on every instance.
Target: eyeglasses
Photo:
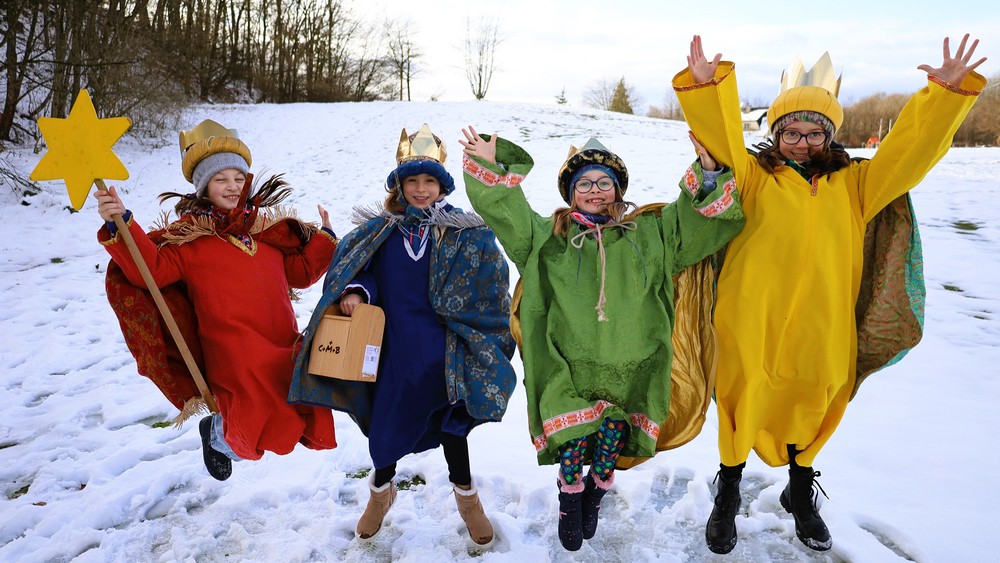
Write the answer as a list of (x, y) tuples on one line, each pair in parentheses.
[(584, 186), (813, 138)]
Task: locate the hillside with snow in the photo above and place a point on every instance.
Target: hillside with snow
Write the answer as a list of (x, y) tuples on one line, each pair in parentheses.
[(86, 476)]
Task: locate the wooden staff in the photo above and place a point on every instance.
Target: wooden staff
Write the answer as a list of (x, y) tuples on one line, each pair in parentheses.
[(154, 290)]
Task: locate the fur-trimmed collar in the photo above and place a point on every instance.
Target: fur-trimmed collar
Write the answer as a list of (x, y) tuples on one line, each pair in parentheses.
[(189, 227), (436, 217)]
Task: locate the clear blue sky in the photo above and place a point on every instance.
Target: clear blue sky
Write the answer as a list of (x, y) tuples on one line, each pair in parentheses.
[(549, 45)]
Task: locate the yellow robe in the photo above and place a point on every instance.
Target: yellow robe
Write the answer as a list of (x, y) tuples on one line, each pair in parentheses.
[(786, 294)]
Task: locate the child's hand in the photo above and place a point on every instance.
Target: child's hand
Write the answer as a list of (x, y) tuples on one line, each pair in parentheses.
[(954, 70), (324, 216), (702, 70), (109, 204), (350, 302), (477, 146), (707, 162)]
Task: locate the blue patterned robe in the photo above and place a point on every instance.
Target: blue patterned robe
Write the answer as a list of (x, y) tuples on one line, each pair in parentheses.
[(466, 291)]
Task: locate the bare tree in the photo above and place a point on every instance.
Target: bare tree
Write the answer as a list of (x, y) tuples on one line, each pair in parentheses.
[(599, 95), (671, 108), (480, 48), (982, 126), (402, 53), (868, 117), (26, 17)]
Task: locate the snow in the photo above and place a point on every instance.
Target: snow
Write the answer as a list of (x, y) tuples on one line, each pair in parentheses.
[(86, 477)]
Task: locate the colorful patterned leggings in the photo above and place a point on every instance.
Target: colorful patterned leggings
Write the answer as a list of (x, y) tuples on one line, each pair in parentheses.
[(608, 444)]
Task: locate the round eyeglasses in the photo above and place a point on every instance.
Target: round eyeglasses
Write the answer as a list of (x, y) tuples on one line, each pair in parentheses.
[(813, 138), (584, 185)]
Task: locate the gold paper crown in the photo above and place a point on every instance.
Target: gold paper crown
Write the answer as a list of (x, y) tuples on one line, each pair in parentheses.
[(814, 90), (204, 130), (423, 145), (821, 75), (208, 138)]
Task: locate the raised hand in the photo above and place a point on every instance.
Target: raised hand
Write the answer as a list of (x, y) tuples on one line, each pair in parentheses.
[(702, 69), (707, 162), (477, 146), (324, 216), (109, 204), (954, 70)]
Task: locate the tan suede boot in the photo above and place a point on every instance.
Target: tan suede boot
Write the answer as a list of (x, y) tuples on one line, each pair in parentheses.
[(480, 529), (378, 505)]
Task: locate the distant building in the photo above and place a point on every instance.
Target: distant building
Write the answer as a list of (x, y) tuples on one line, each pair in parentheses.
[(754, 118)]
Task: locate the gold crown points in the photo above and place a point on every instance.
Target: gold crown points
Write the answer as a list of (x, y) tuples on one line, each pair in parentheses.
[(424, 145), (822, 75), (202, 131)]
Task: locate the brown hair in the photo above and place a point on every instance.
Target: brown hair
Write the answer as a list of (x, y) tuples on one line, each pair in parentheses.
[(393, 203), (272, 192), (833, 157)]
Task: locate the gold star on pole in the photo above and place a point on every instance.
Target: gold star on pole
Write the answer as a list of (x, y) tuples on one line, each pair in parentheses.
[(80, 149)]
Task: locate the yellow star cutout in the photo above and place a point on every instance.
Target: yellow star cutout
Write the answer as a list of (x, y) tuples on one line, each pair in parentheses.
[(80, 149)]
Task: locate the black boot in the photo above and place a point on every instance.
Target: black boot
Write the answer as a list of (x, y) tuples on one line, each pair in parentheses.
[(570, 515), (799, 498), (720, 532), (593, 491), (218, 464)]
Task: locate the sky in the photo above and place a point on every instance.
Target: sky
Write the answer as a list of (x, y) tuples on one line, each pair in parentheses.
[(552, 45), (86, 477)]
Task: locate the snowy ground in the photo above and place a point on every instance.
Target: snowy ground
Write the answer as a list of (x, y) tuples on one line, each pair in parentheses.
[(85, 476)]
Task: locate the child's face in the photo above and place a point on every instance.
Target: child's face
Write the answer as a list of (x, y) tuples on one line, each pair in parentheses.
[(421, 191), (225, 187), (800, 151), (596, 200)]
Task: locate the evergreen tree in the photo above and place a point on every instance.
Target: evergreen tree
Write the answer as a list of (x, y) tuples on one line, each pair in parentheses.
[(621, 100)]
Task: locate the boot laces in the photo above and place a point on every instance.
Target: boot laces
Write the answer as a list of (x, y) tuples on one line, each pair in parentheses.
[(816, 484)]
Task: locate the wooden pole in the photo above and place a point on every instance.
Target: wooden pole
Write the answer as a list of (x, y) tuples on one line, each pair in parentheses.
[(175, 330)]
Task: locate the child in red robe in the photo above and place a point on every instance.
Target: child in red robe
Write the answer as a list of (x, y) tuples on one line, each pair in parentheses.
[(226, 266)]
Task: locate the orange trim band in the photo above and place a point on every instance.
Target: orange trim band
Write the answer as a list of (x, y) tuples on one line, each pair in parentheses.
[(488, 177), (954, 89), (712, 82)]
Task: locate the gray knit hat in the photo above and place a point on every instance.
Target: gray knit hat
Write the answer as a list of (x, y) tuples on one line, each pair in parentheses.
[(212, 165)]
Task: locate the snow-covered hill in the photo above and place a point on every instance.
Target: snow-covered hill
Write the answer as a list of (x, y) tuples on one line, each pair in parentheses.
[(86, 477)]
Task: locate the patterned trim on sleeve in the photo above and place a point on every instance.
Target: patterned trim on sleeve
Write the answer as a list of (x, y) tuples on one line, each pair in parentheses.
[(951, 88), (711, 82), (488, 177), (725, 201), (589, 415), (691, 181)]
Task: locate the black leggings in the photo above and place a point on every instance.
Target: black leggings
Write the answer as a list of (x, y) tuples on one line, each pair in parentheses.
[(456, 454)]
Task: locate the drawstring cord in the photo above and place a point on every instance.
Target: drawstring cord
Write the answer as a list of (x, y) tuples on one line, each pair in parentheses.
[(597, 229)]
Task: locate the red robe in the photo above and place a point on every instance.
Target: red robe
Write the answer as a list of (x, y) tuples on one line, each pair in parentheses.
[(232, 303)]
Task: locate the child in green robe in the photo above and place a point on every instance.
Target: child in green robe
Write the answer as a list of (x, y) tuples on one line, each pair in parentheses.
[(595, 305)]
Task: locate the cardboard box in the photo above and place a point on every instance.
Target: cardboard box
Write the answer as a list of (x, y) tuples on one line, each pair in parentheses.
[(348, 347)]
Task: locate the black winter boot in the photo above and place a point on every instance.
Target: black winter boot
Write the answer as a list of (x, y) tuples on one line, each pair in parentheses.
[(593, 491), (218, 464), (570, 514), (799, 498), (720, 532)]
